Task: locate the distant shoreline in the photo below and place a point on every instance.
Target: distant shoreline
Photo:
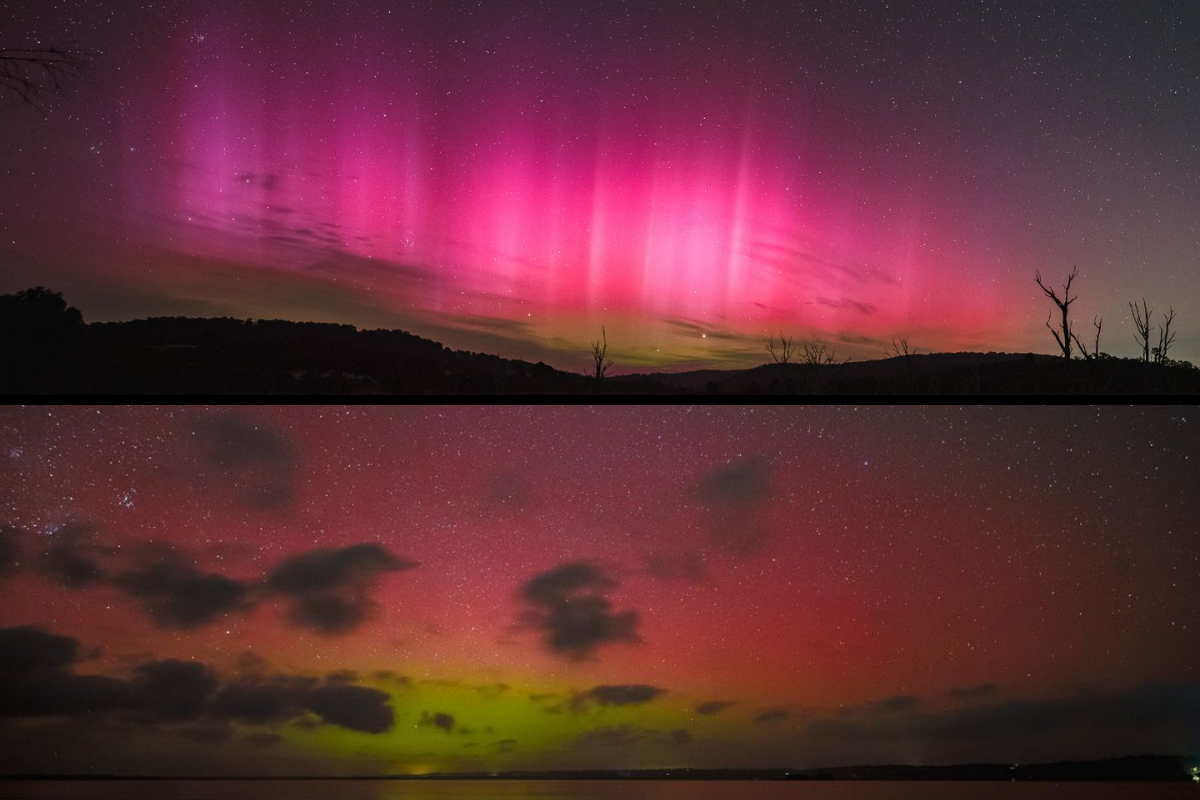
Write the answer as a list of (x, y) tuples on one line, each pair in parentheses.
[(1129, 769)]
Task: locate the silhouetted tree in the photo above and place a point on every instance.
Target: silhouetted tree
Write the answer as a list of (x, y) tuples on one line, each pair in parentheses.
[(1063, 303), (1165, 339), (818, 353), (39, 72), (1097, 323), (1141, 322), (900, 349), (785, 353), (38, 334), (599, 353)]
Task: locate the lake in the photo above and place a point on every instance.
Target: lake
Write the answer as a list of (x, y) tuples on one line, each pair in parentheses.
[(584, 790)]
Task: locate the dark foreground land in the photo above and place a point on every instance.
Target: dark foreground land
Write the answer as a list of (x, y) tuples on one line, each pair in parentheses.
[(183, 356)]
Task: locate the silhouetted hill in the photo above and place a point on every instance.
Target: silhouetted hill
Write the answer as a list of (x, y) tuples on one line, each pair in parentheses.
[(46, 349)]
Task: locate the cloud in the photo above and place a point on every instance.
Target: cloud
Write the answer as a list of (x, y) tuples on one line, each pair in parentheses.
[(618, 695), (508, 489), (439, 719), (38, 679), (30, 649), (568, 605), (329, 588), (772, 716), (623, 736), (357, 708), (982, 692), (265, 700), (847, 303), (733, 497), (1131, 715), (713, 707), (896, 704), (679, 736), (676, 566), (72, 557), (173, 690), (263, 739), (255, 462), (10, 549), (175, 594), (281, 698)]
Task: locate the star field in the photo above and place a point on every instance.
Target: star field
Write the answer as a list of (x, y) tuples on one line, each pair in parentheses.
[(694, 177), (355, 591)]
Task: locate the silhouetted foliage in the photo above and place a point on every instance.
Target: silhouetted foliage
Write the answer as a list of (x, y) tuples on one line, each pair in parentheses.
[(37, 73)]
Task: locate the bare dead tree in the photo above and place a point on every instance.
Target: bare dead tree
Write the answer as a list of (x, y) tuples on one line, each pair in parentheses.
[(38, 73), (817, 353), (900, 348), (1098, 323), (1063, 303), (599, 353), (1165, 338), (1141, 321), (785, 353)]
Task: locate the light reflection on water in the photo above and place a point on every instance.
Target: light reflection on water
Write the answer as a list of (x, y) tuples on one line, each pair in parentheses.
[(583, 790)]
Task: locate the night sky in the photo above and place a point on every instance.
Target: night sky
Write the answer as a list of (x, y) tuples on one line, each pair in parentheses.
[(278, 591), (509, 176)]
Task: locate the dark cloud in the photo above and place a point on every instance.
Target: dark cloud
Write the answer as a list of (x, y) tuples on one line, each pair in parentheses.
[(506, 745), (569, 607), (72, 557), (38, 679), (1133, 714), (508, 489), (263, 739), (173, 690), (267, 700), (772, 716), (357, 708), (282, 698), (676, 566), (206, 732), (618, 695), (439, 719), (10, 549), (623, 736), (254, 461), (733, 497), (896, 704), (30, 649), (177, 595), (395, 679), (679, 736), (713, 707), (329, 589), (985, 691)]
